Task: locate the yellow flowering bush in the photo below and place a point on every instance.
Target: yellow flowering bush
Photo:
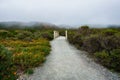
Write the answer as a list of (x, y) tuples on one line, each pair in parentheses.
[(26, 54), (28, 60), (28, 47)]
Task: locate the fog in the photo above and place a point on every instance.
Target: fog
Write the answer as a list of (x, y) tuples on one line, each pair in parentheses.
[(69, 12)]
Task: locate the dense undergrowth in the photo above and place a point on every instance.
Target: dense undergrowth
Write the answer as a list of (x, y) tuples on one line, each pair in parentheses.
[(102, 44), (21, 50)]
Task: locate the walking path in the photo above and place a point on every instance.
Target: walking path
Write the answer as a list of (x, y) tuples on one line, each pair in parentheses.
[(67, 63)]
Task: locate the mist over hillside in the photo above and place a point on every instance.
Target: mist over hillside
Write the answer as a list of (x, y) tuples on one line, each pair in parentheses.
[(36, 25), (15, 24), (11, 23)]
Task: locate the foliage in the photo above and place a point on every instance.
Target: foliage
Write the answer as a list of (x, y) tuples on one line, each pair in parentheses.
[(111, 61), (4, 34), (23, 50), (47, 35), (115, 62), (29, 71), (26, 55), (103, 57), (92, 44), (28, 49), (7, 69), (102, 44), (26, 34), (27, 60), (84, 27)]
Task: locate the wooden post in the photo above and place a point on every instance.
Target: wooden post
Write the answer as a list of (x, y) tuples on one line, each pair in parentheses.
[(66, 34), (56, 34)]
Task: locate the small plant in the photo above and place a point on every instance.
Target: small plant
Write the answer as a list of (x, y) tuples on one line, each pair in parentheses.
[(29, 71)]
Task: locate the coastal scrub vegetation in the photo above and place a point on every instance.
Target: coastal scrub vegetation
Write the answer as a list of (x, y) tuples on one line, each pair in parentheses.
[(21, 50), (103, 44)]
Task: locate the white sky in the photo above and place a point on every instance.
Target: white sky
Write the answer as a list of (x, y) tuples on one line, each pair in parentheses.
[(70, 12)]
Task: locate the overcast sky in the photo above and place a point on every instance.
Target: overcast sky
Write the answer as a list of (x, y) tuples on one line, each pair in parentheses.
[(70, 12)]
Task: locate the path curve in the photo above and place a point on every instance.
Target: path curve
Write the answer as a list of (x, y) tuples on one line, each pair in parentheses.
[(67, 63)]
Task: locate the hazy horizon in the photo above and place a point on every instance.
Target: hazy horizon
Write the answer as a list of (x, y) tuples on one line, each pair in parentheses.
[(61, 12)]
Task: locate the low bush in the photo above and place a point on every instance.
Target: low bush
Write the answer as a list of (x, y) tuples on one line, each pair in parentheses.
[(103, 58), (4, 34), (29, 71), (115, 62), (23, 35), (27, 60), (26, 55), (102, 44), (111, 61), (47, 35), (91, 44), (7, 69), (24, 48)]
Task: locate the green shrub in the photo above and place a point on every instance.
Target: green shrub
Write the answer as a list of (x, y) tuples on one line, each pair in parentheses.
[(6, 65), (84, 27), (111, 61), (71, 35), (23, 35), (29, 71), (102, 55), (109, 43), (78, 41), (4, 34), (103, 44), (109, 32), (25, 48), (28, 60), (115, 62), (84, 31), (92, 44), (37, 35), (45, 49), (26, 54), (103, 58), (47, 35)]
